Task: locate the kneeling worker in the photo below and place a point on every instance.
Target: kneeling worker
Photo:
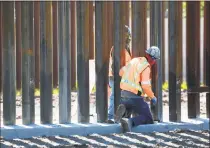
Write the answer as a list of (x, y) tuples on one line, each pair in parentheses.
[(135, 83)]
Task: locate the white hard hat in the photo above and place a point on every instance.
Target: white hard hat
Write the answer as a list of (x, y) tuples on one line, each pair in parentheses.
[(154, 52)]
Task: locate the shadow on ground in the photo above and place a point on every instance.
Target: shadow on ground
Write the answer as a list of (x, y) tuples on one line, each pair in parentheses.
[(178, 138)]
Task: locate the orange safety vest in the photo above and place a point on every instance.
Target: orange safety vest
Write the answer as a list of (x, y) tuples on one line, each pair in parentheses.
[(127, 59), (131, 76)]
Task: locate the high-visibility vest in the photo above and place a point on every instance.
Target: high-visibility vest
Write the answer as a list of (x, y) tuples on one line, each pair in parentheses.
[(131, 77)]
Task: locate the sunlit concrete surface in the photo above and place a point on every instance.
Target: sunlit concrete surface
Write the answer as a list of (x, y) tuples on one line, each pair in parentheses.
[(23, 131)]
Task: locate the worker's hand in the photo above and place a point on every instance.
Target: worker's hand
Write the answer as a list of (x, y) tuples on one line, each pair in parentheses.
[(153, 101)]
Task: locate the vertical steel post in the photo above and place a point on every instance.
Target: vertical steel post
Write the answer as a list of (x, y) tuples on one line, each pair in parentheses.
[(46, 51), (64, 62), (118, 45), (91, 31), (139, 28), (9, 80), (104, 70), (1, 48), (37, 42), (18, 44), (207, 51), (83, 61), (99, 58), (175, 53), (109, 36), (163, 50), (156, 40), (193, 55), (101, 61), (73, 44), (55, 44), (124, 12), (110, 25), (28, 69)]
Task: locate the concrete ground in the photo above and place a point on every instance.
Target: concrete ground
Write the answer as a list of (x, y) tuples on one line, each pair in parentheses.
[(176, 138)]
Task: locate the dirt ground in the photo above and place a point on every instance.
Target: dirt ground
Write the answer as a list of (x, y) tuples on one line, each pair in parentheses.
[(178, 138)]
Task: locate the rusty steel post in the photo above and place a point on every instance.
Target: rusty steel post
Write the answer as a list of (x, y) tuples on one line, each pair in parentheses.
[(124, 11), (175, 54), (193, 55), (205, 17), (101, 62), (139, 28), (28, 69), (104, 68), (73, 44), (110, 25), (55, 44), (83, 61), (207, 52), (109, 37), (1, 48), (46, 51), (118, 45), (91, 31), (9, 68), (37, 42), (64, 62), (18, 45), (156, 40)]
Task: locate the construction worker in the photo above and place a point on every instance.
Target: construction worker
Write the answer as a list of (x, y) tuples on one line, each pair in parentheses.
[(126, 59), (135, 83)]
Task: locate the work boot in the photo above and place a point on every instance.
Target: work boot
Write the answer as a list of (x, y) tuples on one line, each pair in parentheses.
[(126, 124), (119, 113)]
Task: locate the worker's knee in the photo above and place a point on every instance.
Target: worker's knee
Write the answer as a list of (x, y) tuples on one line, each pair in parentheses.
[(141, 119)]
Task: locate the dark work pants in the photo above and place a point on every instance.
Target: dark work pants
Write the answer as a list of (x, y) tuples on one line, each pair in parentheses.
[(136, 104)]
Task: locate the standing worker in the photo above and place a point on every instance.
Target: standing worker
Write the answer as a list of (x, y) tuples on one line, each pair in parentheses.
[(135, 83), (127, 54)]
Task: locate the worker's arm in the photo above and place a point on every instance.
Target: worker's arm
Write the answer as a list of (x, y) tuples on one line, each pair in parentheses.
[(127, 57), (146, 84), (122, 71)]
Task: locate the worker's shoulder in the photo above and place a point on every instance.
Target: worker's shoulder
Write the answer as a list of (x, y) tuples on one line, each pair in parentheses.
[(143, 59), (140, 59)]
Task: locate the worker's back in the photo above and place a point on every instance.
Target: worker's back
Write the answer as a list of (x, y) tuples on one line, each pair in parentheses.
[(131, 74)]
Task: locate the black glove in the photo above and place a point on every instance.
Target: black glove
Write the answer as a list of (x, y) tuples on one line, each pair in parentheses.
[(139, 93)]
